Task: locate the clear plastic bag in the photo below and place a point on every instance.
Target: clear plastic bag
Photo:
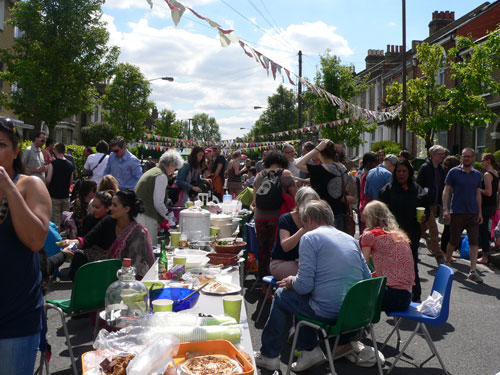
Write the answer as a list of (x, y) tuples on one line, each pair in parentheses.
[(155, 357), (432, 305)]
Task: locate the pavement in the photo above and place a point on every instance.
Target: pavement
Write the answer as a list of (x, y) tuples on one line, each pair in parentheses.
[(468, 343)]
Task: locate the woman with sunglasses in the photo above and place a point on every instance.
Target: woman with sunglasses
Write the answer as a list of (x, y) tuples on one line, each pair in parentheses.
[(152, 189), (25, 209)]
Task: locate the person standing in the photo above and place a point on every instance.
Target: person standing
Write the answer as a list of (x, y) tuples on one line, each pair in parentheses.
[(431, 178), (95, 165), (123, 165), (217, 175), (368, 163), (234, 175), (381, 155), (48, 155), (260, 163), (33, 157), (152, 189), (380, 176), (59, 179), (149, 164), (24, 225), (289, 153), (463, 183), (489, 192)]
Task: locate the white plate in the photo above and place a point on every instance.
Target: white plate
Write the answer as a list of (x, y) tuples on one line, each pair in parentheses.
[(190, 253), (232, 289)]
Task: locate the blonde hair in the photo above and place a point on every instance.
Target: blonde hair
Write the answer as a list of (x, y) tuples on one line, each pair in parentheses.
[(108, 182), (377, 215)]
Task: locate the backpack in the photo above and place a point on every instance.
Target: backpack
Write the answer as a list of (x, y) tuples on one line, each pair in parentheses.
[(269, 194)]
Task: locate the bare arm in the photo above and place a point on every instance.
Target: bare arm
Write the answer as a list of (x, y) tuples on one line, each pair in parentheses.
[(479, 199), (29, 206), (488, 186), (446, 198), (367, 251), (289, 242), (302, 163), (50, 171)]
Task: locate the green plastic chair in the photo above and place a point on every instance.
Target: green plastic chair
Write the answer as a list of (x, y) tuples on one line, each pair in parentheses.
[(360, 308), (89, 289)]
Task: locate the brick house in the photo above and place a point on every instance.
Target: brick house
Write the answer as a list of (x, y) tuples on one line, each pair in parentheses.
[(383, 68)]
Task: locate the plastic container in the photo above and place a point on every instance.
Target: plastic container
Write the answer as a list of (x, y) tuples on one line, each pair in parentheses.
[(227, 198), (225, 259), (127, 300), (176, 294), (195, 223), (223, 347), (224, 223)]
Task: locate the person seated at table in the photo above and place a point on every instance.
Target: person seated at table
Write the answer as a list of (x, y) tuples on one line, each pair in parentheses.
[(108, 183), (389, 247), (81, 204), (101, 205), (330, 262), (285, 255), (117, 236)]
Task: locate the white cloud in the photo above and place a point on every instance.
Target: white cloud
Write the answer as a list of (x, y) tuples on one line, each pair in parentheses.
[(392, 24), (222, 82), (126, 4)]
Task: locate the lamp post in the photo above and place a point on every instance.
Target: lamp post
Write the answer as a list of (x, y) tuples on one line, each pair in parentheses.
[(257, 107), (170, 79)]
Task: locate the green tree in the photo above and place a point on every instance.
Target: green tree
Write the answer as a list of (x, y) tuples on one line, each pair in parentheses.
[(204, 128), (432, 107), (166, 125), (95, 132), (126, 102), (341, 81), (61, 56), (280, 114)]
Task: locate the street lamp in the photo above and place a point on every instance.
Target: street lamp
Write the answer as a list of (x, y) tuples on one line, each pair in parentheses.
[(257, 107), (244, 129), (170, 79)]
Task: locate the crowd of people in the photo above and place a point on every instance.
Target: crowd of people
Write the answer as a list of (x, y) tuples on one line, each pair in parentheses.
[(302, 209)]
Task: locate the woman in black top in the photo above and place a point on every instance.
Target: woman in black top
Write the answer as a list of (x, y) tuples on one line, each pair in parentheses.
[(489, 190), (403, 195), (330, 179)]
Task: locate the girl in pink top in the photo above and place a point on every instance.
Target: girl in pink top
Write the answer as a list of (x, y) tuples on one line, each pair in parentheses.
[(390, 250)]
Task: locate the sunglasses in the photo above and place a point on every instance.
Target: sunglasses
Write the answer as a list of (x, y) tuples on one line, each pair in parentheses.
[(116, 150)]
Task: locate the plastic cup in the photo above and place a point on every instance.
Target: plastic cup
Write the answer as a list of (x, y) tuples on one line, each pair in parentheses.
[(162, 305), (232, 306), (179, 260), (214, 231), (189, 204), (174, 238), (420, 213)]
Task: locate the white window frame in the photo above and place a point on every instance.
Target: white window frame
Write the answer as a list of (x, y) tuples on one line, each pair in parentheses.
[(478, 146), (2, 14)]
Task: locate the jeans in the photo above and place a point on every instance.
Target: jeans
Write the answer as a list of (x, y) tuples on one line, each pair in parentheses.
[(285, 304), (18, 354), (432, 240), (484, 230)]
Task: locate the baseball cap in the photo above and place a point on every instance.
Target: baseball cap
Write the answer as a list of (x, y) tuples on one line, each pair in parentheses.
[(391, 158)]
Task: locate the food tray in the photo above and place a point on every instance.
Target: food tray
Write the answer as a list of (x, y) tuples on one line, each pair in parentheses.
[(215, 347)]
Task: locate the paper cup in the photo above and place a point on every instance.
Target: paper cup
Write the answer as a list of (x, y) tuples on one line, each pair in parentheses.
[(214, 231), (162, 305), (189, 204), (420, 213), (179, 260), (232, 306), (174, 238)]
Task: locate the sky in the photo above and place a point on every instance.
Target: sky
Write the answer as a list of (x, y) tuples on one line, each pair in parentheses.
[(225, 82)]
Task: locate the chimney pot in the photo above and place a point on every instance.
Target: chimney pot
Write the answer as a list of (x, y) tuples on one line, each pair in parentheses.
[(388, 48), (447, 14), (452, 16), (392, 48)]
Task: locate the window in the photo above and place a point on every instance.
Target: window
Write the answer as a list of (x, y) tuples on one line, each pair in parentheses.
[(2, 13), (442, 138), (373, 136), (18, 33), (380, 131), (480, 140)]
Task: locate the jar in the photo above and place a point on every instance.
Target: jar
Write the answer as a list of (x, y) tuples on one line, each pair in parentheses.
[(127, 300)]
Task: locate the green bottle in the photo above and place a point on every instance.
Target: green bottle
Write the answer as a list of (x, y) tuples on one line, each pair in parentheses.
[(162, 261)]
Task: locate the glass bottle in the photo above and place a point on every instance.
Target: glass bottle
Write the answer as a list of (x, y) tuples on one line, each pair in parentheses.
[(162, 261), (127, 300)]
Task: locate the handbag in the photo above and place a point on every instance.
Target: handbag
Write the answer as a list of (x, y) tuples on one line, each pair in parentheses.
[(349, 224), (91, 172)]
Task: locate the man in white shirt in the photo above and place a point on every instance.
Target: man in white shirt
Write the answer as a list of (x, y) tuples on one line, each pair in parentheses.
[(33, 157), (289, 153), (96, 163)]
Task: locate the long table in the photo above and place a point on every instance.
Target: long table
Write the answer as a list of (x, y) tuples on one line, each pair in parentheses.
[(209, 304)]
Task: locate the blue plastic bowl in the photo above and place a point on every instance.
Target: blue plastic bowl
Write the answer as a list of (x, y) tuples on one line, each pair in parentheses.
[(175, 294)]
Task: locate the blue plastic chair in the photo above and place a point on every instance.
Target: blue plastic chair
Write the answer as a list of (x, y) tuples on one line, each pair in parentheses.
[(442, 284), (271, 285)]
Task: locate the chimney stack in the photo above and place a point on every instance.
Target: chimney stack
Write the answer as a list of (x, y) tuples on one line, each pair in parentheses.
[(440, 20), (374, 57)]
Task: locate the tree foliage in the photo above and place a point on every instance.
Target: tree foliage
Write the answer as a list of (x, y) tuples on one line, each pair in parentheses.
[(339, 80), (204, 128), (95, 132), (61, 56), (126, 102), (280, 114), (167, 125), (432, 107)]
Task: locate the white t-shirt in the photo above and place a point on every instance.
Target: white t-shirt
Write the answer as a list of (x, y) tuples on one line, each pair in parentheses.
[(92, 161)]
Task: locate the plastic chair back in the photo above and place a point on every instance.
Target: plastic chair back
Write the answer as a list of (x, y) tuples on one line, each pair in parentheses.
[(90, 284), (359, 305), (251, 239), (442, 283), (380, 298)]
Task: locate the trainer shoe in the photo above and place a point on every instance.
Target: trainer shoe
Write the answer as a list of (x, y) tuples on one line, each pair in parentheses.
[(267, 363), (475, 277), (308, 359)]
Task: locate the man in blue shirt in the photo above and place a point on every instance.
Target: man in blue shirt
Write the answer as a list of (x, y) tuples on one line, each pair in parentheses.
[(123, 165), (380, 176), (464, 181), (330, 262)]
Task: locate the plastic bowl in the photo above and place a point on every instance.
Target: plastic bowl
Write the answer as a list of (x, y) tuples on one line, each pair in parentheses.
[(175, 294), (230, 249)]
